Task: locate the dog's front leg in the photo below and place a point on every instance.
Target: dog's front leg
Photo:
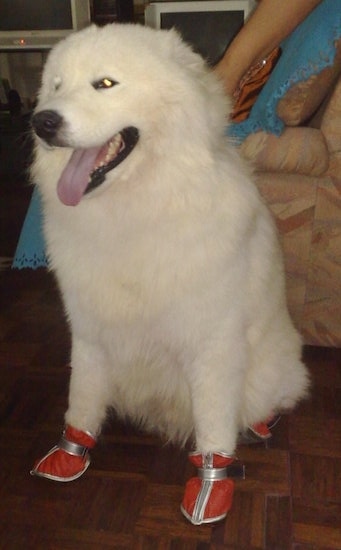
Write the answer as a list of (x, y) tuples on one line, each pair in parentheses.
[(216, 396), (89, 397)]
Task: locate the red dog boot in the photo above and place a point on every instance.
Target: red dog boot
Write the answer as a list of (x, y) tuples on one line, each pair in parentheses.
[(262, 430), (69, 459), (208, 497)]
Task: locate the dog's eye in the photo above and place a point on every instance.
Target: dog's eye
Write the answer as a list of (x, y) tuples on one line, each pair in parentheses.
[(104, 83)]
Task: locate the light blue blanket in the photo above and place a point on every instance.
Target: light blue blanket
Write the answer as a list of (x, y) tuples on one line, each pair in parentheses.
[(308, 50)]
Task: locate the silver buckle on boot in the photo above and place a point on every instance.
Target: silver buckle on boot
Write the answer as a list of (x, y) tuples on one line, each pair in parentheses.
[(74, 449), (212, 474)]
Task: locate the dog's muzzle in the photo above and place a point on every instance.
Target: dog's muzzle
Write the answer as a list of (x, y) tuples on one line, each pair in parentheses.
[(47, 124), (86, 168)]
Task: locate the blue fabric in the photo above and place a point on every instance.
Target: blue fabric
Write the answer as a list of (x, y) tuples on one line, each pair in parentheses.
[(30, 250), (308, 50)]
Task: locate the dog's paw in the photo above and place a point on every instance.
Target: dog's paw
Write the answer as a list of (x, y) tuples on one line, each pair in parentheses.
[(208, 497), (69, 459)]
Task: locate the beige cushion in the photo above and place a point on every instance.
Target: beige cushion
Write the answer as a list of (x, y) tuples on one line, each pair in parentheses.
[(301, 100), (300, 150), (331, 122)]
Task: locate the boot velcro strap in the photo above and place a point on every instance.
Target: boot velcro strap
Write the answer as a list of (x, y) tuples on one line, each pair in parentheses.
[(74, 449), (212, 474)]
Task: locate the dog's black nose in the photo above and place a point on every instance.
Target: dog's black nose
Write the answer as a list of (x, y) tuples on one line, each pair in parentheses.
[(46, 124)]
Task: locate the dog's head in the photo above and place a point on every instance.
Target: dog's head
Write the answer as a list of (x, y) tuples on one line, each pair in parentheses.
[(115, 93)]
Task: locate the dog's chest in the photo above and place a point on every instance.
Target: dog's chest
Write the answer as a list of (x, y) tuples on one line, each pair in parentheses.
[(114, 268)]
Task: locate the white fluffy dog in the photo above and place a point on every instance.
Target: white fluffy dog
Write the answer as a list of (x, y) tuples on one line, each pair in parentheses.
[(167, 259)]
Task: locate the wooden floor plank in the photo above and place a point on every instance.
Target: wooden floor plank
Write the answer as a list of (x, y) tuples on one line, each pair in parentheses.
[(278, 524)]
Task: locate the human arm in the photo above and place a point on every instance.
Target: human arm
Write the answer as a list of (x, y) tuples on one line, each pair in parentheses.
[(269, 24)]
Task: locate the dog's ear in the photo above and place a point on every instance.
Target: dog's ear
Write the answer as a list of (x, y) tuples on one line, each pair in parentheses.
[(203, 75), (182, 51)]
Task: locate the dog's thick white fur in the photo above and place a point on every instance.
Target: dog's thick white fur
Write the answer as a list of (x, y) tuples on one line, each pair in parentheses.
[(170, 270)]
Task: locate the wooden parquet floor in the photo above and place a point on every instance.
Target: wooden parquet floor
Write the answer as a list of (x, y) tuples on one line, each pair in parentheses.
[(130, 496)]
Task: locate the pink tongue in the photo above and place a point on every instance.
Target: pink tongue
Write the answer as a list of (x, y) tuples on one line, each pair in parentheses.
[(76, 174)]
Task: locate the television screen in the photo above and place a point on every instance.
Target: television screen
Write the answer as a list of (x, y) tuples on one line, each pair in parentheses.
[(39, 24), (35, 15), (208, 25), (208, 32)]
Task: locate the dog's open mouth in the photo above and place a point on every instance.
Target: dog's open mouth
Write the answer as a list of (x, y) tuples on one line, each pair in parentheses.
[(87, 168)]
